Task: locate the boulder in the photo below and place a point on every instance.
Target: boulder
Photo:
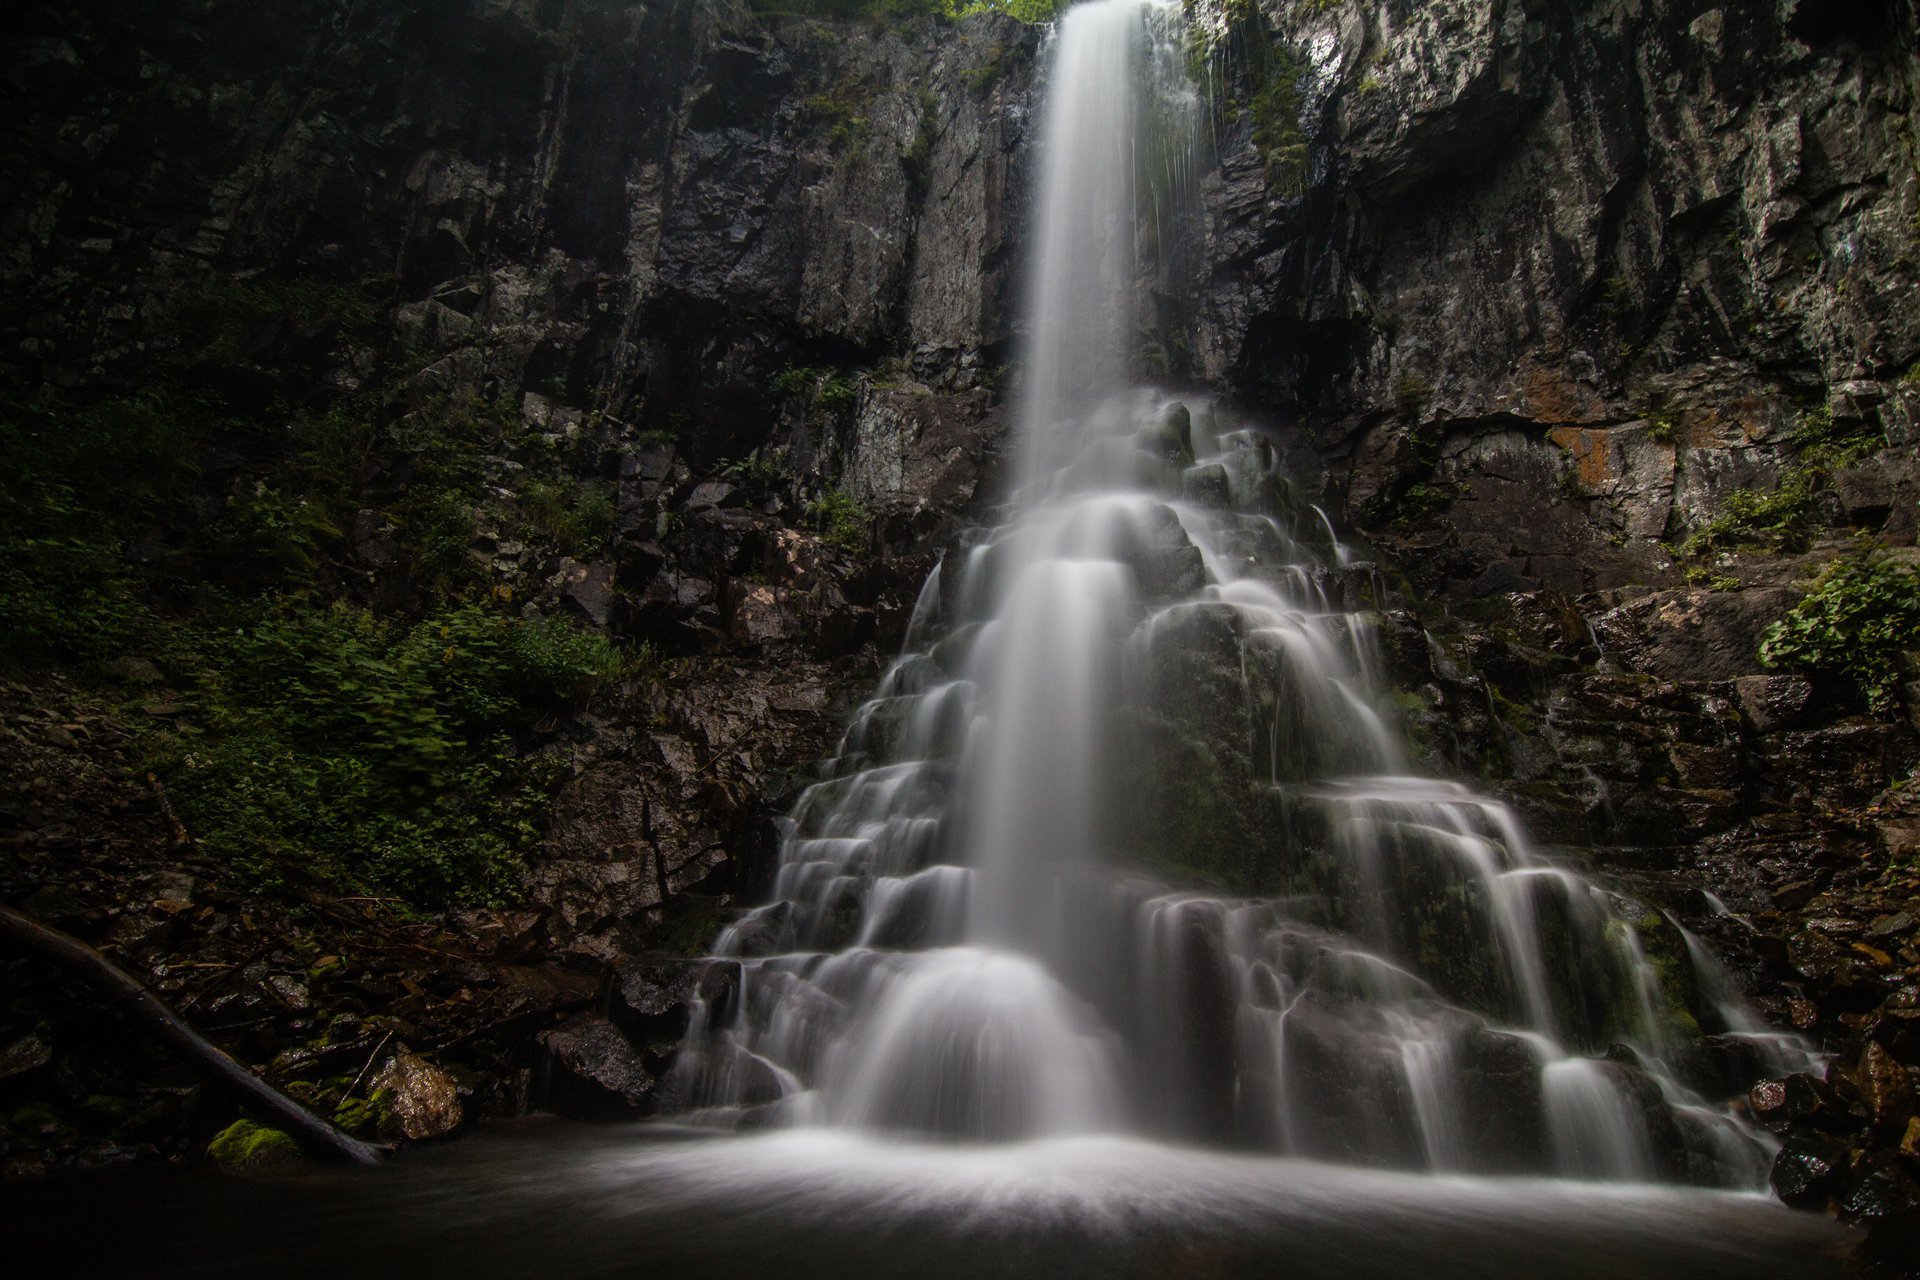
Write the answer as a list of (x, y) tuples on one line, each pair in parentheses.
[(589, 1070), (424, 1098)]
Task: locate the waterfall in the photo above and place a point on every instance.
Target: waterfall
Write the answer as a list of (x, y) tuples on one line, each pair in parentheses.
[(1125, 842)]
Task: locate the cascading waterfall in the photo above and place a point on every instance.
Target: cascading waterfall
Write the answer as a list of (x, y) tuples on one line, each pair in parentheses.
[(1124, 842)]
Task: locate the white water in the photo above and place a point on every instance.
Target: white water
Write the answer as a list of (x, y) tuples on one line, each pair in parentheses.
[(968, 939)]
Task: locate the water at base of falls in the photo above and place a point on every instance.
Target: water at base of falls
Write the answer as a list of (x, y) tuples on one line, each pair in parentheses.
[(530, 1198), (1125, 843)]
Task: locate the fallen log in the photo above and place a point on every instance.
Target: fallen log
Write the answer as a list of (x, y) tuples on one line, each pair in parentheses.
[(28, 936)]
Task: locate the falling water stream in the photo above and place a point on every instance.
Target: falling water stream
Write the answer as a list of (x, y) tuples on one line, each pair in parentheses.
[(1119, 937)]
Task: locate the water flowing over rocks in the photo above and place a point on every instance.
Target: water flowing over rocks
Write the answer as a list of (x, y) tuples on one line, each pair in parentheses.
[(1530, 294)]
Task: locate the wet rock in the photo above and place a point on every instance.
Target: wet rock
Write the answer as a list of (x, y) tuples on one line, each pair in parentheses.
[(588, 589), (1772, 703), (1768, 1101), (651, 997), (1877, 1187), (26, 1053), (1171, 439), (589, 1070), (425, 1099), (1500, 1077), (1809, 1168), (712, 493), (508, 935), (1885, 1087), (1207, 486)]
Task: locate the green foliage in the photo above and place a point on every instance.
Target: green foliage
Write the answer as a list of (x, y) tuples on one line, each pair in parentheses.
[(797, 380), (1777, 518), (1275, 109), (1826, 447), (1028, 11), (1861, 615), (1663, 423), (1251, 75), (838, 116), (1421, 500), (270, 533), (320, 745), (1782, 518), (753, 472), (1410, 394), (334, 747), (81, 484), (840, 519), (837, 395), (824, 389), (577, 518), (235, 320)]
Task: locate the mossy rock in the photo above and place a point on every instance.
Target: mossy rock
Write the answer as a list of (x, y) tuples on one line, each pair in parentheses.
[(247, 1147)]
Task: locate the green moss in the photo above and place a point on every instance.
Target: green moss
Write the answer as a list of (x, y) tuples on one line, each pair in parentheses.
[(33, 1117), (105, 1109), (1410, 394), (370, 1115), (1256, 79), (244, 1145)]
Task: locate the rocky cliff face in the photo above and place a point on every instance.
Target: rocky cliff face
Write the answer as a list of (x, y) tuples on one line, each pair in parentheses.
[(646, 211)]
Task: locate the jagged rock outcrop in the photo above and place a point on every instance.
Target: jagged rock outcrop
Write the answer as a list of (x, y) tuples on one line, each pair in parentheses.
[(649, 212), (1576, 271)]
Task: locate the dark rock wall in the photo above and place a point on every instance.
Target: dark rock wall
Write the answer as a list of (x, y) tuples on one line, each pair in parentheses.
[(648, 211), (1579, 268)]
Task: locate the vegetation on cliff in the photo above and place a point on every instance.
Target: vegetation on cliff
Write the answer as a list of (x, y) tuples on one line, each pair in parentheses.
[(1861, 620), (182, 549)]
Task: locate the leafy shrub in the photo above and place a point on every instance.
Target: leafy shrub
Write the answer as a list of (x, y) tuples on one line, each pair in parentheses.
[(837, 395), (1028, 11), (753, 472), (339, 748), (1778, 518), (840, 519), (578, 518), (1663, 424), (1825, 447), (1862, 614)]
